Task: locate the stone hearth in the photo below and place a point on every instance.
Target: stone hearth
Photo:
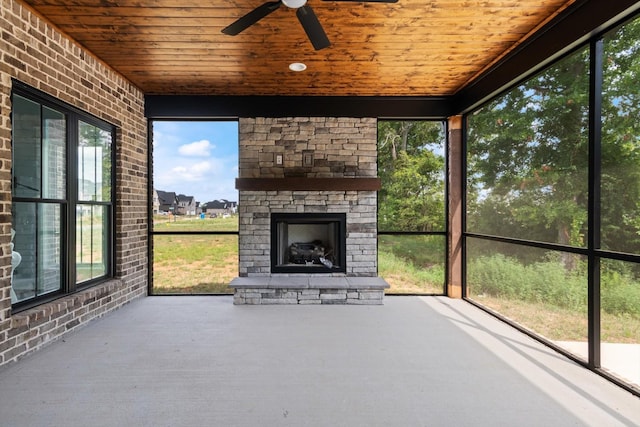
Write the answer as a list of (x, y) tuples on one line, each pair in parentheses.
[(309, 290)]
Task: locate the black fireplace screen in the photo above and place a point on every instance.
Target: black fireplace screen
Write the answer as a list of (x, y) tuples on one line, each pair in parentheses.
[(308, 243)]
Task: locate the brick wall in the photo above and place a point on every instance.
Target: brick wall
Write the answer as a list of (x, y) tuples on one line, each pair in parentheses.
[(341, 148), (34, 52)]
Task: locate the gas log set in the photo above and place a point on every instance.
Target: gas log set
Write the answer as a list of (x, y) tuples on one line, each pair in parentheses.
[(311, 253)]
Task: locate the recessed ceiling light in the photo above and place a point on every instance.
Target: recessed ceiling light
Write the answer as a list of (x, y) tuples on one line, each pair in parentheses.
[(297, 66)]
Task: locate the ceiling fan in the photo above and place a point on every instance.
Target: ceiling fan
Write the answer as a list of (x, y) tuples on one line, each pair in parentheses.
[(305, 15)]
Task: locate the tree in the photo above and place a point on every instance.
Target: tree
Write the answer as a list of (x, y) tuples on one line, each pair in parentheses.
[(411, 167), (621, 140), (528, 153)]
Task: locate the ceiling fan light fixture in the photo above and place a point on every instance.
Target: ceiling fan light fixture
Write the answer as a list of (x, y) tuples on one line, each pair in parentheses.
[(294, 4), (305, 14), (297, 66)]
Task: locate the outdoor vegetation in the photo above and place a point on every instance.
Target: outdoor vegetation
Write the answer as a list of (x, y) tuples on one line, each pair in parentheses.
[(194, 263), (528, 169), (412, 264), (411, 166)]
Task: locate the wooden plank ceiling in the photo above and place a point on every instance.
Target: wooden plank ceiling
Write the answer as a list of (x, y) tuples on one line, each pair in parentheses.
[(408, 48)]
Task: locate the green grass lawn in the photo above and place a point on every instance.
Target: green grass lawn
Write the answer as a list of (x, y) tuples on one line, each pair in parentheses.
[(561, 324), (194, 264)]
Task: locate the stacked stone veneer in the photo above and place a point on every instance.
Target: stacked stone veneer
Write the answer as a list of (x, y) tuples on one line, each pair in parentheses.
[(255, 210), (341, 148), (309, 290), (35, 53)]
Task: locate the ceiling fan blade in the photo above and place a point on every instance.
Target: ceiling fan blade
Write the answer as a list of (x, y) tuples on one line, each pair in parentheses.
[(251, 18), (312, 27)]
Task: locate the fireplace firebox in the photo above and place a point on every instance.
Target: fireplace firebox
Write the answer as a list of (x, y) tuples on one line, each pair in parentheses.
[(308, 242)]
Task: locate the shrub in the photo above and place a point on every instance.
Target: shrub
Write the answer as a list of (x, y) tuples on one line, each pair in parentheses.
[(620, 293), (549, 283)]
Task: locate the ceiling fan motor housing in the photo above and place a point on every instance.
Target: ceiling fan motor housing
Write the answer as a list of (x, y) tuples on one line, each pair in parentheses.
[(294, 4)]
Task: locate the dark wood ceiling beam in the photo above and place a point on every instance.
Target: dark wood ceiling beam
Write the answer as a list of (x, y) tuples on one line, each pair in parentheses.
[(202, 106)]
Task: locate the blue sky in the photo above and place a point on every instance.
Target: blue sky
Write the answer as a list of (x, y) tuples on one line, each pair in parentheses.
[(196, 158)]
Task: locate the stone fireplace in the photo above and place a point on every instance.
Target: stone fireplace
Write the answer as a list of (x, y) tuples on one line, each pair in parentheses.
[(308, 186)]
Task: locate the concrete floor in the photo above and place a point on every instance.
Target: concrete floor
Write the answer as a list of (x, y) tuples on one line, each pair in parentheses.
[(201, 361)]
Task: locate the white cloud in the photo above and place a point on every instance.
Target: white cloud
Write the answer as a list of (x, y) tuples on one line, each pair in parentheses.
[(200, 148), (194, 172), (164, 138)]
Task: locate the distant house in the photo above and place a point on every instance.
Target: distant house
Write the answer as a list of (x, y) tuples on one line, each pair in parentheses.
[(186, 205), (220, 207), (167, 201)]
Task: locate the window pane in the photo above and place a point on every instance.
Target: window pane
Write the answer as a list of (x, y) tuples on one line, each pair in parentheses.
[(37, 242), (194, 264), (412, 264), (528, 158), (27, 127), (91, 242), (411, 166), (49, 248), (53, 154), (94, 163), (25, 245), (620, 319), (621, 140), (544, 291)]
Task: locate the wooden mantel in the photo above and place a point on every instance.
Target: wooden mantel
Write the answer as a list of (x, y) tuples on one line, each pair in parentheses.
[(308, 184)]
